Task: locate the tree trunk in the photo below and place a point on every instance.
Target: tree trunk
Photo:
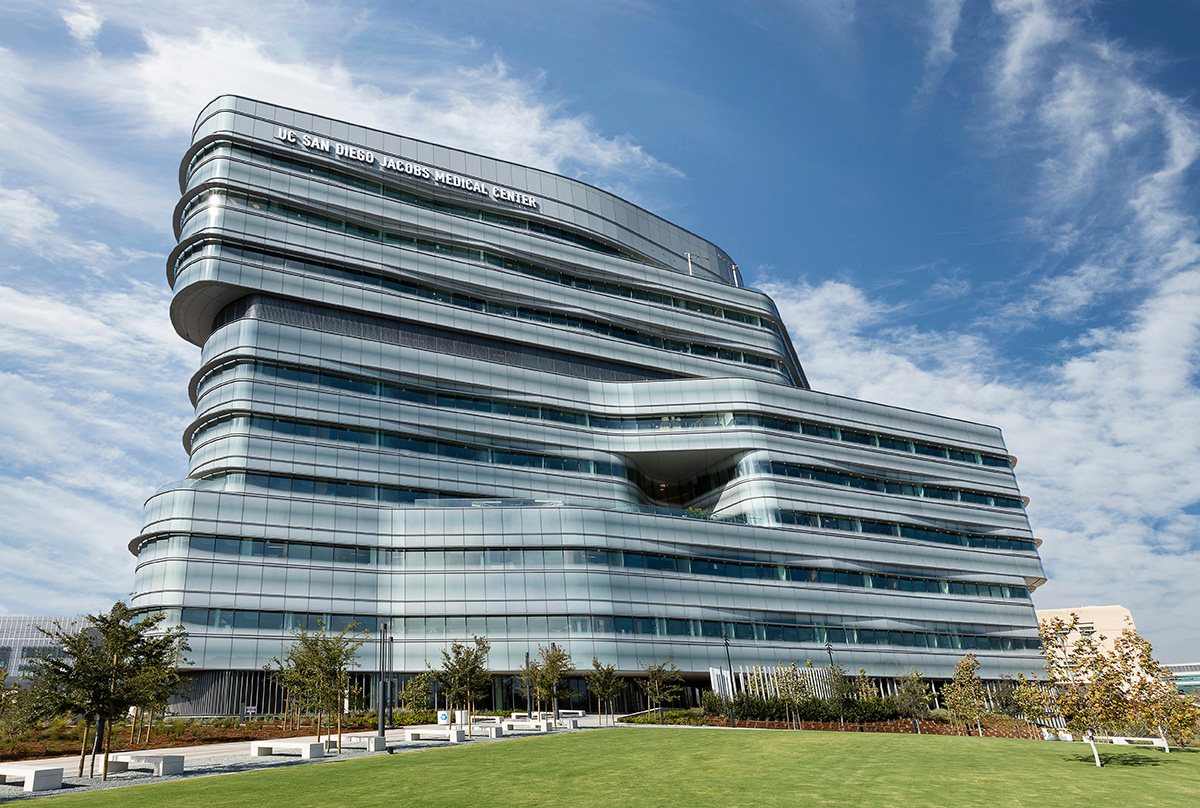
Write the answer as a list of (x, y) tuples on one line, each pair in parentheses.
[(916, 729), (979, 727), (339, 728), (87, 726), (107, 743), (1166, 743), (97, 743), (133, 725), (1095, 753)]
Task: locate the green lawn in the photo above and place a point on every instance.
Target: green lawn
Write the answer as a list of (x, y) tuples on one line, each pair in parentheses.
[(702, 767)]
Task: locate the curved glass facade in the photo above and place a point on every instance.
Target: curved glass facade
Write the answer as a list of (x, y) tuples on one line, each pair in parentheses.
[(462, 396)]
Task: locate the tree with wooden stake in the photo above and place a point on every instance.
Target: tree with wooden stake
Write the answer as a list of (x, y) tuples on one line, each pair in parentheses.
[(1085, 681), (464, 676), (1031, 698), (793, 689), (913, 698), (662, 682), (317, 665), (964, 696), (603, 682), (547, 673), (414, 695), (841, 691), (1154, 700), (111, 664)]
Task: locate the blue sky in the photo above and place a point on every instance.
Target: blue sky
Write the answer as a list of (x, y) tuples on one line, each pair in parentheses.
[(981, 209)]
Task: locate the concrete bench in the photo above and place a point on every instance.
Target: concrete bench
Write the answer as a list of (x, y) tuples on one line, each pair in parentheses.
[(490, 730), (34, 777), (372, 743), (572, 713), (488, 719), (451, 734), (568, 723), (526, 726), (307, 749), (161, 765), (1121, 740), (520, 716)]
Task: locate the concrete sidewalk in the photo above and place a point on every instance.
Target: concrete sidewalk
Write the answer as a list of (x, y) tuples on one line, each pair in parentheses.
[(230, 758)]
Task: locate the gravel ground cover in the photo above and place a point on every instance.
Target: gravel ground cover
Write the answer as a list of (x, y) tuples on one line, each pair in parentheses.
[(207, 764)]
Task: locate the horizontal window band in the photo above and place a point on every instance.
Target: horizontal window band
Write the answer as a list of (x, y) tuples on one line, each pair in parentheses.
[(438, 629), (569, 558), (433, 397)]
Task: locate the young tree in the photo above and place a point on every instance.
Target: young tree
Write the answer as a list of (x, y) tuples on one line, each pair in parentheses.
[(1153, 700), (317, 664), (603, 682), (793, 688), (464, 675), (114, 662), (913, 697), (663, 681), (1031, 699), (415, 693), (964, 696), (15, 717), (1085, 682), (841, 691), (547, 673), (1004, 700), (864, 686)]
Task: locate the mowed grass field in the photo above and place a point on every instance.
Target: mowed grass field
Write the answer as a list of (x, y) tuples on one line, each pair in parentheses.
[(703, 767)]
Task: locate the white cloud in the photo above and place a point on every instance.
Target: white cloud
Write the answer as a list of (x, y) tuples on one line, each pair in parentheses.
[(1109, 452), (83, 22), (1109, 155), (481, 108), (39, 232), (944, 17), (1033, 27), (94, 405)]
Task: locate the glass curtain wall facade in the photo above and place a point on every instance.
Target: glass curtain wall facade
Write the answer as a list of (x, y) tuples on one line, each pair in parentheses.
[(462, 396)]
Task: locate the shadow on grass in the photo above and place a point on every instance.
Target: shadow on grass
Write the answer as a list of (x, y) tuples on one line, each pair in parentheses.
[(1133, 759)]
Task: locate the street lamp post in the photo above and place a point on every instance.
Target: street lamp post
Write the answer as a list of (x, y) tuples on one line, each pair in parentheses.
[(732, 720), (528, 696), (380, 742), (829, 649)]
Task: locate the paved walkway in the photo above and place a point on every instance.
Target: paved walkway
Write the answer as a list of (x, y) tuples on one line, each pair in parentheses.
[(230, 758)]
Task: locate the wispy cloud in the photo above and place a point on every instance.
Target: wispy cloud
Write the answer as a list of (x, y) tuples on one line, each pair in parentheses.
[(83, 21), (1108, 155), (943, 20), (92, 376)]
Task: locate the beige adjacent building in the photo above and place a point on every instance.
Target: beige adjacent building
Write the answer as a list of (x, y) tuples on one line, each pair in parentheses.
[(1105, 621)]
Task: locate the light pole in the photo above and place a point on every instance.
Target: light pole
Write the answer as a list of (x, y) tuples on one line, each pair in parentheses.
[(829, 649), (528, 696), (732, 720), (380, 744)]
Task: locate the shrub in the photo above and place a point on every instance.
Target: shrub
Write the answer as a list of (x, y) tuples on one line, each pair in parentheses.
[(874, 708), (686, 717), (815, 708), (714, 704)]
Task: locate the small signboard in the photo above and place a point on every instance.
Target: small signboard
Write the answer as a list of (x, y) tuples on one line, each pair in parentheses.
[(251, 709)]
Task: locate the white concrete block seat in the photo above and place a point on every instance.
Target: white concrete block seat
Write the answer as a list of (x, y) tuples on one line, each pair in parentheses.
[(451, 734), (307, 749), (34, 777), (160, 764), (489, 729), (526, 726)]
